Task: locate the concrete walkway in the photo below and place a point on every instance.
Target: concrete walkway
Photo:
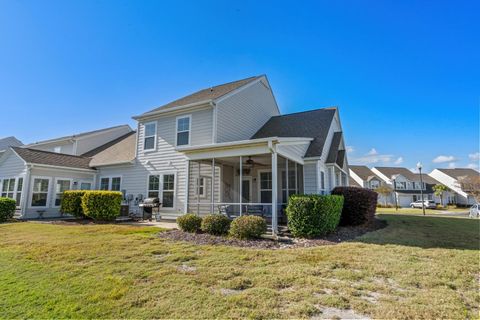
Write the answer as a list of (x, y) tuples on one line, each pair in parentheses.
[(165, 224)]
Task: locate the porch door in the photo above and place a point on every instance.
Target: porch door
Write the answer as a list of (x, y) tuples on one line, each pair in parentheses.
[(246, 190)]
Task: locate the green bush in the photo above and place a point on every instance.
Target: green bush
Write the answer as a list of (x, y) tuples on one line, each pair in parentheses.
[(359, 205), (72, 203), (189, 222), (7, 209), (216, 224), (248, 227), (313, 215), (102, 205)]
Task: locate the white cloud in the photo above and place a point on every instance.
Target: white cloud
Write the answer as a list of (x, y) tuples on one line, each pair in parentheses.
[(350, 149), (473, 166), (474, 156), (374, 157), (443, 159), (452, 165), (399, 160), (414, 170)]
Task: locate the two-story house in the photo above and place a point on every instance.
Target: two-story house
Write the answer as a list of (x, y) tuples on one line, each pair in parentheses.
[(407, 186), (364, 177), (227, 149), (458, 180), (37, 174)]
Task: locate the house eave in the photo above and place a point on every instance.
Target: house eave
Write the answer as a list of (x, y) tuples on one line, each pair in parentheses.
[(173, 109), (35, 165)]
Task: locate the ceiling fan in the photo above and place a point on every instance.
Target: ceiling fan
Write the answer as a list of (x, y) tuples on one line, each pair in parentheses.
[(253, 163)]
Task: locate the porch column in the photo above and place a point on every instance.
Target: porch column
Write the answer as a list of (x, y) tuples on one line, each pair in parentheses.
[(213, 187), (274, 194), (187, 187), (197, 179), (286, 181), (241, 184)]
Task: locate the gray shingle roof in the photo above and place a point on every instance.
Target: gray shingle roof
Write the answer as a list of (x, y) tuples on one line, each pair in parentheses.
[(364, 172), (335, 155), (460, 172), (308, 124), (52, 158), (391, 171), (120, 150), (205, 94)]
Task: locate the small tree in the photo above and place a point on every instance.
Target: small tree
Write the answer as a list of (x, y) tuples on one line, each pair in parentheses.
[(385, 191), (439, 189), (471, 185)]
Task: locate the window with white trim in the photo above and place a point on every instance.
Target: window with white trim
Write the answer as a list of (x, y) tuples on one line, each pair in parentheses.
[(61, 185), (8, 188), (18, 197), (111, 183), (266, 187), (202, 187), (150, 136), (183, 130), (322, 180), (168, 192), (162, 186), (40, 192), (85, 185)]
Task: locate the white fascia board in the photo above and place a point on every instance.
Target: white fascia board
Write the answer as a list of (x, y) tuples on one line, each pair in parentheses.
[(355, 177), (173, 109), (131, 162), (36, 165)]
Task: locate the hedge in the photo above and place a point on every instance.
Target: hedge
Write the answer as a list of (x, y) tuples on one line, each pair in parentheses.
[(313, 215), (189, 222), (216, 224), (359, 207), (248, 227), (7, 209), (102, 205), (72, 203)]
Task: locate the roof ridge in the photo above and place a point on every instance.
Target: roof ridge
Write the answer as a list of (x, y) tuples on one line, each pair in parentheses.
[(305, 111), (107, 145)]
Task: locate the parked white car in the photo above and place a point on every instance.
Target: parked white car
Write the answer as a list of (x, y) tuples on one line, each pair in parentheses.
[(429, 204), (475, 211)]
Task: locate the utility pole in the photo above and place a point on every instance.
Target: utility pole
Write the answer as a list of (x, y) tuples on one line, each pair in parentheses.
[(419, 167)]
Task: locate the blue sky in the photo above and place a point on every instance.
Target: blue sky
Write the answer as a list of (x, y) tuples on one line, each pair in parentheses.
[(405, 74)]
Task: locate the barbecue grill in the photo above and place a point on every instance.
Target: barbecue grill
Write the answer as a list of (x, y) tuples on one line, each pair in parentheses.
[(148, 205)]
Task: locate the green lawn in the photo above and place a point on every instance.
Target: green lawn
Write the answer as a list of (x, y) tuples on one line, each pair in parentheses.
[(417, 267)]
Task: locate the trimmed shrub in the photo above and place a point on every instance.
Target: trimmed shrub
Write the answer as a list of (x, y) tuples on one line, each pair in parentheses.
[(102, 205), (7, 209), (72, 203), (216, 224), (189, 222), (313, 215), (248, 227), (359, 205)]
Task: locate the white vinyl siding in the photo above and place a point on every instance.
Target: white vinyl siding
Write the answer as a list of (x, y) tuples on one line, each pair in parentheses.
[(242, 114), (310, 177)]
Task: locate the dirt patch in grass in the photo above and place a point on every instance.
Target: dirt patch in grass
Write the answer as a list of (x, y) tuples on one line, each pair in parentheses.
[(340, 235)]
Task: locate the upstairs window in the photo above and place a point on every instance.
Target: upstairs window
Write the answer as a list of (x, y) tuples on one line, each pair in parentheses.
[(150, 136), (183, 130)]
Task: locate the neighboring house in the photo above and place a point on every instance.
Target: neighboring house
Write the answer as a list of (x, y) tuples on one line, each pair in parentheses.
[(406, 184), (9, 142), (224, 149), (81, 143), (364, 177), (452, 178), (36, 178)]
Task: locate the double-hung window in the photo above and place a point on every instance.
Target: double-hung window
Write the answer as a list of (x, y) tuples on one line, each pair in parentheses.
[(183, 130), (40, 192), (111, 183), (18, 197), (202, 187), (162, 186), (150, 136), (61, 185), (8, 188), (266, 187)]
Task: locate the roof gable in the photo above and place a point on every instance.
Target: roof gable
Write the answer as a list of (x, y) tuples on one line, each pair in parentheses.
[(308, 124), (204, 95), (364, 173), (9, 142), (393, 171), (121, 150), (460, 172)]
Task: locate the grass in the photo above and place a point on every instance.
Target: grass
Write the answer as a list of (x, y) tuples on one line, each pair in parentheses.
[(417, 267), (419, 211)]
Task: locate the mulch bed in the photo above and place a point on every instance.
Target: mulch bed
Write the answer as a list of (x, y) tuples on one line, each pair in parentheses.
[(341, 235)]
